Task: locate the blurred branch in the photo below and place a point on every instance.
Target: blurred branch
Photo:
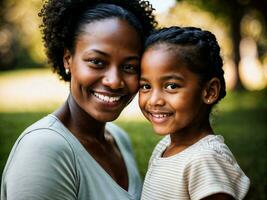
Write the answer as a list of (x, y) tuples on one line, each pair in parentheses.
[(233, 12)]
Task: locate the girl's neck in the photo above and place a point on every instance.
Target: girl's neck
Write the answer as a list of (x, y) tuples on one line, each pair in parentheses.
[(187, 137), (79, 122)]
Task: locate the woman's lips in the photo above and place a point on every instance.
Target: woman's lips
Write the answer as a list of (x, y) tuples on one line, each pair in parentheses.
[(107, 98)]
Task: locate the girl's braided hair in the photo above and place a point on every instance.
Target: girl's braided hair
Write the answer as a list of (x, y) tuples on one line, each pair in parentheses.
[(200, 51), (62, 21)]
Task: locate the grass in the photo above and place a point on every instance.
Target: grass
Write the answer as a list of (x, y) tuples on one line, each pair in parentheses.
[(240, 118)]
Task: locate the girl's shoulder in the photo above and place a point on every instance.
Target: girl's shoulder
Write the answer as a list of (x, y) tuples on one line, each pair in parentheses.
[(213, 146), (212, 169)]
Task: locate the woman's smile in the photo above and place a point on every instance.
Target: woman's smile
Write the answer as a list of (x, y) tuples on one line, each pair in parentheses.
[(108, 99), (105, 68)]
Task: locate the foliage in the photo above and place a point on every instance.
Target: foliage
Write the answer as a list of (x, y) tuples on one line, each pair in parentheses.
[(20, 39), (245, 18)]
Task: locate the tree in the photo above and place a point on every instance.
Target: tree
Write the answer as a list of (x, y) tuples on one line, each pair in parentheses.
[(20, 39), (234, 11)]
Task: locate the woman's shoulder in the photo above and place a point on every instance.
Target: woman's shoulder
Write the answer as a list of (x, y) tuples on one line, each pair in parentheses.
[(45, 133), (40, 160)]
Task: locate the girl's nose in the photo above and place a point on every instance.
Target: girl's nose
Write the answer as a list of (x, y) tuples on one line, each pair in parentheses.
[(113, 79), (156, 98)]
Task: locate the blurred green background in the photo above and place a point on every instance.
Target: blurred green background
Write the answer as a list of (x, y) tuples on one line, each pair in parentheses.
[(29, 90)]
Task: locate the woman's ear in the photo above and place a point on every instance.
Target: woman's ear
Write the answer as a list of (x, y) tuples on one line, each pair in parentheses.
[(211, 91), (67, 59)]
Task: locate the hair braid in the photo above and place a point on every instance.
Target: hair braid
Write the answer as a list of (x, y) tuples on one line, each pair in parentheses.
[(204, 58)]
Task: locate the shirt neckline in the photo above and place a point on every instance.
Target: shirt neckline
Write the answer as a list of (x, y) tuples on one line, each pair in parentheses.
[(168, 141), (123, 153)]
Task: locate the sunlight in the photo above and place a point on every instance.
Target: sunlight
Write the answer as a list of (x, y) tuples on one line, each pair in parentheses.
[(31, 90), (250, 69), (162, 5)]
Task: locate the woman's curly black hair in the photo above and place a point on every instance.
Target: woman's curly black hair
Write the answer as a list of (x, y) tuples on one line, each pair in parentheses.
[(200, 51), (62, 21)]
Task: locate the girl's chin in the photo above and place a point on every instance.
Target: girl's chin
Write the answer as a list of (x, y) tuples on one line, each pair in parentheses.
[(161, 131)]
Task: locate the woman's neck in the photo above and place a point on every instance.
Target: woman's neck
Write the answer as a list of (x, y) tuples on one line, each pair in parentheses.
[(80, 123)]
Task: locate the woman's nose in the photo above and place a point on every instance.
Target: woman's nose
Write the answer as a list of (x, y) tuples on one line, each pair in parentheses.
[(113, 79)]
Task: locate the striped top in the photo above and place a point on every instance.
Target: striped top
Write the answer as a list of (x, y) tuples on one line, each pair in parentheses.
[(205, 168)]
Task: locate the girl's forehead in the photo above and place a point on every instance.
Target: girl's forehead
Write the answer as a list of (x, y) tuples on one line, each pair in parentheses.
[(165, 52)]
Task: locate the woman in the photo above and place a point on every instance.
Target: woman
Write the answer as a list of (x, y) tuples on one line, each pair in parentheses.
[(72, 153)]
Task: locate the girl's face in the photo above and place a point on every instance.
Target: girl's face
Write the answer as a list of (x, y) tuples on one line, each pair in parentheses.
[(169, 95), (105, 68)]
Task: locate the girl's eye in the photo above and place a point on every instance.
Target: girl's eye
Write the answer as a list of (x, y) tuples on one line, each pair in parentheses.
[(171, 86), (144, 87), (130, 68)]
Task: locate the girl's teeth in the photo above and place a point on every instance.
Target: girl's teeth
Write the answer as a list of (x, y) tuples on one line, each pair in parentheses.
[(107, 98), (159, 115)]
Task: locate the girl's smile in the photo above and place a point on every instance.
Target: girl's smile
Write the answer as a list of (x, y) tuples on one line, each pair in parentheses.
[(159, 117), (170, 94)]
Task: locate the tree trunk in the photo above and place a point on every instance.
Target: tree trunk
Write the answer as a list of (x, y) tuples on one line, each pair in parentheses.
[(236, 37)]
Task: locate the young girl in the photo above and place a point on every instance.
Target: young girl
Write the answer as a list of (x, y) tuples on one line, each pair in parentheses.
[(181, 80)]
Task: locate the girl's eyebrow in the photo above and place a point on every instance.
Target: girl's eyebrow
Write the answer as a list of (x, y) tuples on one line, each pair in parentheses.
[(143, 79), (172, 76), (167, 77)]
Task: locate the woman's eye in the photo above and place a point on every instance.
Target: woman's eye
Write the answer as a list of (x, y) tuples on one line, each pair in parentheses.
[(171, 86), (130, 68), (145, 87), (97, 62)]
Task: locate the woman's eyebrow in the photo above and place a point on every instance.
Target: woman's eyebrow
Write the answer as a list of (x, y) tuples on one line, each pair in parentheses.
[(97, 51), (131, 57)]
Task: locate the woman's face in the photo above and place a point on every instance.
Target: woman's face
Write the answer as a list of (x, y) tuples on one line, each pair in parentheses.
[(105, 68)]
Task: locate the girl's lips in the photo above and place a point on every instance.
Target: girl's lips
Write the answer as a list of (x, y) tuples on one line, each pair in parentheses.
[(159, 117)]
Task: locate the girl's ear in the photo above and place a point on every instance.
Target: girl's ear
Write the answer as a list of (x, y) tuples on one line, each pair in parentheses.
[(67, 59), (211, 91)]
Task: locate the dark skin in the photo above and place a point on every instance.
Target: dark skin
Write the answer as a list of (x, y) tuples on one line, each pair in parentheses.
[(104, 78), (97, 141), (219, 196), (174, 102)]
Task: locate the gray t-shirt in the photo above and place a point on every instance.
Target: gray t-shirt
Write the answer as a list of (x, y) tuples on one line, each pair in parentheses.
[(48, 163)]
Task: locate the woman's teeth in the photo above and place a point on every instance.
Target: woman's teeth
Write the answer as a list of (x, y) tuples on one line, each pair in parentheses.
[(107, 98)]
